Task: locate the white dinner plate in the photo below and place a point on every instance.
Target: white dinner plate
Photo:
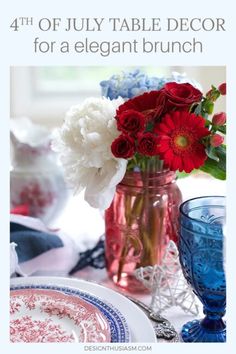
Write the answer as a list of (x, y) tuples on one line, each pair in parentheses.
[(118, 328), (140, 326), (41, 316)]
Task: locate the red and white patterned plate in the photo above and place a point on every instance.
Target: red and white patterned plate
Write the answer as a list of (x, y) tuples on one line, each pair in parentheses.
[(38, 316)]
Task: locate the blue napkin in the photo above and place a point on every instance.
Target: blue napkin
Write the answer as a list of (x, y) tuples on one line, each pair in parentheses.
[(94, 257), (31, 243)]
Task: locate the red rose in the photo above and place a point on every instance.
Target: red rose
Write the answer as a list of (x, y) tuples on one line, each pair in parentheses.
[(180, 96), (147, 144), (150, 104), (131, 121), (123, 147), (222, 89), (216, 140), (219, 118)]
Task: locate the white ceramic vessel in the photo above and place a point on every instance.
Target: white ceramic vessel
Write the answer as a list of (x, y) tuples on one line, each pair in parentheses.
[(36, 179)]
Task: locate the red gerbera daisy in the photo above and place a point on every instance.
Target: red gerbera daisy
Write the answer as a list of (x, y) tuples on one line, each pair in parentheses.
[(180, 135)]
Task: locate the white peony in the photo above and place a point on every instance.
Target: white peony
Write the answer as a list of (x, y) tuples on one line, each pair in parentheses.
[(84, 144)]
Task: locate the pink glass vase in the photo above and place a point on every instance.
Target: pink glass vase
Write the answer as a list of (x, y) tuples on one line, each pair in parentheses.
[(140, 222)]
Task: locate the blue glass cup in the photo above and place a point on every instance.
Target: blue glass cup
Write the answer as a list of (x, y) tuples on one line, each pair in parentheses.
[(201, 252)]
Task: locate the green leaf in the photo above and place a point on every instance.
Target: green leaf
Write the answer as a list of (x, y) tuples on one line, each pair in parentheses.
[(221, 152), (212, 153), (215, 168), (207, 123), (222, 129), (149, 127), (198, 109), (208, 107), (214, 94), (211, 167)]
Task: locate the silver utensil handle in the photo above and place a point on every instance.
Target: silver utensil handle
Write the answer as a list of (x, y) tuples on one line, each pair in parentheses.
[(162, 327), (154, 316)]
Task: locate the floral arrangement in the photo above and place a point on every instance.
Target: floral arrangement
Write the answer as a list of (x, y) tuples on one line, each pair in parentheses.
[(171, 127), (136, 82)]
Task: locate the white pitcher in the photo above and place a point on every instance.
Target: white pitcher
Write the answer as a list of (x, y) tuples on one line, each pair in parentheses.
[(36, 179)]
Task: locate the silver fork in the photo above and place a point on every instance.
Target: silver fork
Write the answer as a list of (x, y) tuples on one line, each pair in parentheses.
[(163, 328)]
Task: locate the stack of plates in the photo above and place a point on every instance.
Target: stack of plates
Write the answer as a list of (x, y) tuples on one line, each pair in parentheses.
[(49, 309)]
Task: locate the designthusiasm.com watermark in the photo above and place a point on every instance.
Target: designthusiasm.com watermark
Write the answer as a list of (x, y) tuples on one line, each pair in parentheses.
[(120, 348)]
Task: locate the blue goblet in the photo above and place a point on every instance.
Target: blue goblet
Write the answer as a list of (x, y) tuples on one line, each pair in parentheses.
[(201, 255)]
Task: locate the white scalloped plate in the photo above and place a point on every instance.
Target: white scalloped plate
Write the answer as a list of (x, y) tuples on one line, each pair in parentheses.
[(38, 316), (139, 325)]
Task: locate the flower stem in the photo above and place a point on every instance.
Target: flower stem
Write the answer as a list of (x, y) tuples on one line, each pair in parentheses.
[(139, 211)]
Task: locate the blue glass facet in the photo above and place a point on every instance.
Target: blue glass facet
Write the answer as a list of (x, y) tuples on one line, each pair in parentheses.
[(201, 252)]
